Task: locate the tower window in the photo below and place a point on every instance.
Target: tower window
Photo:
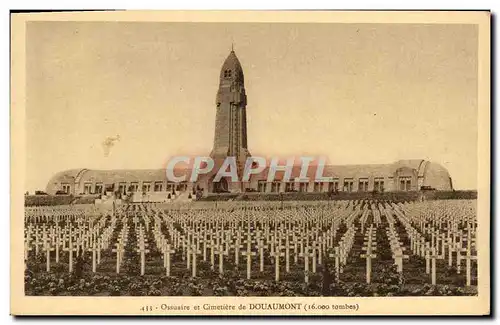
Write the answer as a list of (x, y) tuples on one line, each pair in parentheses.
[(227, 74)]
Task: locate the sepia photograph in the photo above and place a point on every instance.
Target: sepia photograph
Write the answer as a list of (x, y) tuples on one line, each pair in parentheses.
[(293, 163)]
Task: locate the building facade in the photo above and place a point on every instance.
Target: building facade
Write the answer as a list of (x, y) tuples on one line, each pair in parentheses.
[(404, 175), (230, 140)]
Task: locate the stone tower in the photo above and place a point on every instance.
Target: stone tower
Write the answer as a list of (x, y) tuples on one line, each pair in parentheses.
[(231, 117)]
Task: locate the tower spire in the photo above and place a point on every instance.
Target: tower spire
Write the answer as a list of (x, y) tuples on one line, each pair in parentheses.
[(230, 133)]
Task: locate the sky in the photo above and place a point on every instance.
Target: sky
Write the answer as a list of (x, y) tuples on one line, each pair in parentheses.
[(113, 95)]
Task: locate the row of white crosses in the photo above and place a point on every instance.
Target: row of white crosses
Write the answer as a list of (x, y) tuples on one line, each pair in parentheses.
[(313, 242), (370, 245), (60, 213), (189, 243), (45, 237), (100, 242), (460, 216), (363, 219), (243, 235), (273, 246), (377, 212), (200, 238), (428, 219), (142, 247), (419, 245), (120, 244), (192, 250), (250, 242), (254, 206), (342, 250), (394, 241), (69, 238)]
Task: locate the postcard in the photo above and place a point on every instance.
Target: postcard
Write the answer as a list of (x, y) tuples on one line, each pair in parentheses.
[(289, 163)]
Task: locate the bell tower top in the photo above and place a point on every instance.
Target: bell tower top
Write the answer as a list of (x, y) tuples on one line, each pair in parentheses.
[(231, 70)]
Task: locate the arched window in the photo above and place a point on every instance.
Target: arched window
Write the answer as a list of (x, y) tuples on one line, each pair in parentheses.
[(227, 74)]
